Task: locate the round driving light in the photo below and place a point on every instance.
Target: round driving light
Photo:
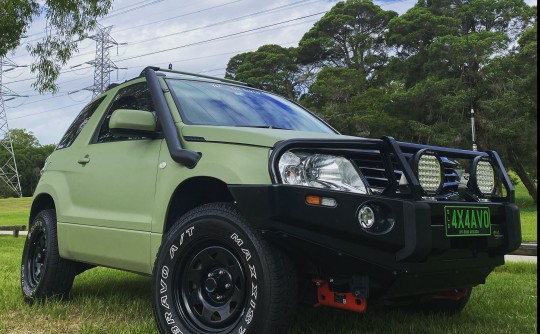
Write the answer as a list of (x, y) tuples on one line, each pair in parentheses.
[(429, 171), (485, 177), (376, 218), (366, 217)]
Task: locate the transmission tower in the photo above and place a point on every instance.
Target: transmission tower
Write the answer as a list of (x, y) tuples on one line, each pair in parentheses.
[(102, 64), (8, 166)]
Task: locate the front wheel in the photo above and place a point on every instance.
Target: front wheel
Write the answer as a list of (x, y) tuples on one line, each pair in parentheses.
[(215, 274)]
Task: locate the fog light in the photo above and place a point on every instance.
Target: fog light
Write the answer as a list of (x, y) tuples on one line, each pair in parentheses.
[(366, 217), (376, 218)]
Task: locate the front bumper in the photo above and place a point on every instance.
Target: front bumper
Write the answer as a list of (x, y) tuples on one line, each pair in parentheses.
[(415, 257)]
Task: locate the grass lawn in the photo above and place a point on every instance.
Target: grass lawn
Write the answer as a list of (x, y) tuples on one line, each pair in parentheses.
[(110, 301), (529, 214), (15, 211)]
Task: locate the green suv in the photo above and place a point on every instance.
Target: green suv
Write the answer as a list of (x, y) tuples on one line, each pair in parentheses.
[(241, 204)]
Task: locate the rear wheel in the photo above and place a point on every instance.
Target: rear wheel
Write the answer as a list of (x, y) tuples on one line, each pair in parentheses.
[(44, 273), (215, 274)]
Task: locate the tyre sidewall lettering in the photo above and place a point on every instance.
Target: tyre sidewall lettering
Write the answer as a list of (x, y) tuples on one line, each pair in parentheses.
[(165, 280), (244, 250)]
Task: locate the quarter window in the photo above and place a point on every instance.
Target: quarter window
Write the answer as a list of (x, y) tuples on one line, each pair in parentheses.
[(78, 124)]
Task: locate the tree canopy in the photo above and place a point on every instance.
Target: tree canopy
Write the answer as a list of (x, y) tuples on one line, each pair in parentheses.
[(271, 67), (68, 21)]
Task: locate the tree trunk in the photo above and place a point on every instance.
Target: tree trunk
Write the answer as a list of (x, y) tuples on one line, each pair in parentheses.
[(528, 182)]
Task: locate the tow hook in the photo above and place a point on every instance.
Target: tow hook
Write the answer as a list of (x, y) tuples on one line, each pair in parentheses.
[(345, 301)]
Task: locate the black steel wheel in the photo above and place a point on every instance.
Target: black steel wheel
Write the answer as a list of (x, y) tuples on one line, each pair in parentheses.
[(35, 265), (212, 289), (44, 274), (215, 274)]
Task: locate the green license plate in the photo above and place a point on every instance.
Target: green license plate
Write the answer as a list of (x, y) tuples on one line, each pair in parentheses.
[(467, 221)]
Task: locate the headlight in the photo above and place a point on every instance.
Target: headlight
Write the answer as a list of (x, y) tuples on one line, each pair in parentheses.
[(484, 175), (429, 171), (320, 171)]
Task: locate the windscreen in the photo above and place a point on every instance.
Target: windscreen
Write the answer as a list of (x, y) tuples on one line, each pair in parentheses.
[(207, 103)]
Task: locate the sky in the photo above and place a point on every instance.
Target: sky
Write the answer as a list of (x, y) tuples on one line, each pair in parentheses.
[(197, 30)]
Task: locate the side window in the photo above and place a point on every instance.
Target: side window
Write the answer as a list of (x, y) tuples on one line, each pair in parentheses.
[(136, 96), (78, 124)]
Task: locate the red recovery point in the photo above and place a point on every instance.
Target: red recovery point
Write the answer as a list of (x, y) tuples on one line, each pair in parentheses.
[(345, 301)]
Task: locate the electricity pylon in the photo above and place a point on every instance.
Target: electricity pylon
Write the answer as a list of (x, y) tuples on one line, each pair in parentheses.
[(102, 64), (8, 163)]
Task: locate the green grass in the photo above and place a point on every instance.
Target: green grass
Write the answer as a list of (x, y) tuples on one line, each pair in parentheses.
[(529, 214), (110, 301), (15, 211)]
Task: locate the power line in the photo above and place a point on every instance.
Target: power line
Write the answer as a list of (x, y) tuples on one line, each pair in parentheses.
[(207, 56), (218, 38), (238, 18), (182, 60), (179, 16), (303, 3), (114, 13), (128, 6), (278, 8), (146, 24), (61, 72), (131, 9), (46, 111)]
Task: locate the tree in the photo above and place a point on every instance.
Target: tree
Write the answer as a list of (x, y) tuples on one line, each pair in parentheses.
[(67, 24), (30, 156), (349, 48), (442, 48), (331, 96), (350, 35), (271, 68), (509, 119)]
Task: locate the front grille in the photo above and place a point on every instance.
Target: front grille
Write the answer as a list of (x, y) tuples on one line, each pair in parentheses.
[(451, 176), (372, 166)]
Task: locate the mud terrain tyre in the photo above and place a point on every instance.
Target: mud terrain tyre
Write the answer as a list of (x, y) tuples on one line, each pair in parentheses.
[(215, 274), (44, 274)]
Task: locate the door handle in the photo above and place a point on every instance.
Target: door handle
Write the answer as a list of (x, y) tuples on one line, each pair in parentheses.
[(85, 160)]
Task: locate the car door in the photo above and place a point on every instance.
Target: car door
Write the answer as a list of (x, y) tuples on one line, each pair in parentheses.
[(112, 192)]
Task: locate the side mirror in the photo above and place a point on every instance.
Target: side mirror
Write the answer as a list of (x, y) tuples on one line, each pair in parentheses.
[(133, 123)]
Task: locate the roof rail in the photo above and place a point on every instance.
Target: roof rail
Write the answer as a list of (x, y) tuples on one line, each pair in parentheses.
[(156, 69)]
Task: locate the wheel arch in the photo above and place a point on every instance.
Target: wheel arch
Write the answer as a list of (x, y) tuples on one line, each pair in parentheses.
[(41, 202), (192, 193)]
